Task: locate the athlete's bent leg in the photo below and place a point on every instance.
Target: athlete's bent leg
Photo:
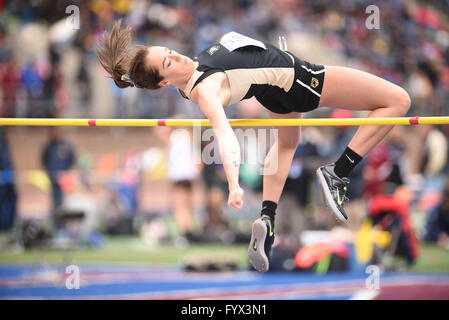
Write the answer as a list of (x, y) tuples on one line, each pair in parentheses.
[(357, 90)]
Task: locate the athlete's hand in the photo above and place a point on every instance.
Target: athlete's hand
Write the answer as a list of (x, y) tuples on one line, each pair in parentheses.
[(235, 198)]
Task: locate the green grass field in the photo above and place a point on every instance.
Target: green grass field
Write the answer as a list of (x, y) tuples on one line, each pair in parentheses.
[(132, 250)]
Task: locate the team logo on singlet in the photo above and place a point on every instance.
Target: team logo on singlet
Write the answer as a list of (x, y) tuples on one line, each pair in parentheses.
[(314, 83), (213, 49)]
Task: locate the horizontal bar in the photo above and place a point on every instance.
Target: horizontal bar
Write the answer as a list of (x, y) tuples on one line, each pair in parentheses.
[(39, 122)]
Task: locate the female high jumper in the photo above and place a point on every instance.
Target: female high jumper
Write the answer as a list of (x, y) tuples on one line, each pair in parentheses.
[(238, 67)]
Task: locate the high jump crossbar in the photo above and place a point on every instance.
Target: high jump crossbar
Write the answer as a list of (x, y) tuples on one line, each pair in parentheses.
[(42, 122)]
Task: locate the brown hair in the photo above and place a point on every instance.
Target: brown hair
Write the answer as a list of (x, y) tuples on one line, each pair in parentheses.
[(117, 58)]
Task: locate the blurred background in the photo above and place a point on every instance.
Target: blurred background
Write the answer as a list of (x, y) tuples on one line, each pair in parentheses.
[(132, 204)]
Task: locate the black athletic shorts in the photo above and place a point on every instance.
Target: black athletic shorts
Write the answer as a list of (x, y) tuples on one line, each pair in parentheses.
[(304, 94)]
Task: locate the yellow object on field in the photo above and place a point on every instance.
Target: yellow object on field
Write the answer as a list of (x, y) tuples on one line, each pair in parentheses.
[(39, 179), (366, 238)]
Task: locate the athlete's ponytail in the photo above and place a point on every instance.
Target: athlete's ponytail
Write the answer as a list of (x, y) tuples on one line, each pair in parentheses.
[(125, 65), (115, 55)]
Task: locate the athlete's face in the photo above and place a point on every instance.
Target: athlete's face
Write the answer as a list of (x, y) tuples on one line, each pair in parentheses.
[(172, 66)]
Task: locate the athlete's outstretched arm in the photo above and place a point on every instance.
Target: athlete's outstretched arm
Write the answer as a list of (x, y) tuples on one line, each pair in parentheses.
[(228, 144)]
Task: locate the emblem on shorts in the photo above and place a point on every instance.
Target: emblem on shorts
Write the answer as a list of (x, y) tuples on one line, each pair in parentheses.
[(213, 49), (314, 83)]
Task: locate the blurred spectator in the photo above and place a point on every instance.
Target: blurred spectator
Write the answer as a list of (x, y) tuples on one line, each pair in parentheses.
[(392, 213), (57, 156), (10, 86), (434, 156), (437, 224), (8, 194), (121, 203), (214, 178), (182, 172), (377, 170), (385, 168)]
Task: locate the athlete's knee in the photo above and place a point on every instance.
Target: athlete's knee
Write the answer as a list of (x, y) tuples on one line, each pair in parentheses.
[(288, 144), (402, 102)]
